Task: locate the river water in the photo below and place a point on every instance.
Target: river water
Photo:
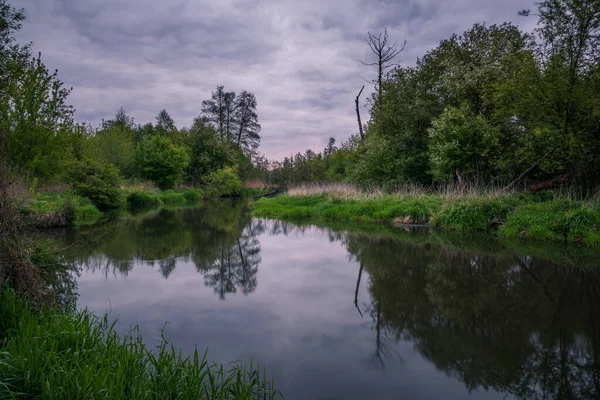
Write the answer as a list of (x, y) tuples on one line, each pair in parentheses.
[(344, 312)]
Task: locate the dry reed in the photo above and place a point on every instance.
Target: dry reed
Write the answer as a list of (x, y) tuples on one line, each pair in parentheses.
[(350, 192)]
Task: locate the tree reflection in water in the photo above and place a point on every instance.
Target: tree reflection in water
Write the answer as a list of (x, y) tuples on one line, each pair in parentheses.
[(492, 319)]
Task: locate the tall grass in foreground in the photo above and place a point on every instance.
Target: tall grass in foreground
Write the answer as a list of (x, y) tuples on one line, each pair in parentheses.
[(52, 355)]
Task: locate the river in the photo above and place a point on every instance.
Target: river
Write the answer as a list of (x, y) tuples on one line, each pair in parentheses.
[(347, 312)]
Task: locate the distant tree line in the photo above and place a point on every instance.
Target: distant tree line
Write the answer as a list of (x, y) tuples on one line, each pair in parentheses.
[(44, 142), (493, 105)]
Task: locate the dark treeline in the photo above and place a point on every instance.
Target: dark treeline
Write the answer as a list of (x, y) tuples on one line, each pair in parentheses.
[(492, 105), (45, 143)]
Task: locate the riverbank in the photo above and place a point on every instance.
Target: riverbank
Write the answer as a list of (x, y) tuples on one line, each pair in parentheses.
[(518, 215), (50, 354), (47, 209)]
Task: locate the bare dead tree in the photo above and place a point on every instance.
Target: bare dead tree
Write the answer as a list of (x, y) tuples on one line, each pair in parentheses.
[(385, 54), (360, 128)]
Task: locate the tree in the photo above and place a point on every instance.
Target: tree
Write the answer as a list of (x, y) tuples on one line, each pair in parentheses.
[(384, 54), (37, 118), (246, 122), (208, 152), (328, 151), (121, 120), (115, 143), (234, 118), (566, 86), (12, 54), (218, 111), (462, 144), (159, 160), (164, 123)]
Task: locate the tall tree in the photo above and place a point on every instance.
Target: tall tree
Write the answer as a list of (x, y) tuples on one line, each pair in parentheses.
[(164, 123), (568, 55), (37, 118), (219, 110), (246, 121)]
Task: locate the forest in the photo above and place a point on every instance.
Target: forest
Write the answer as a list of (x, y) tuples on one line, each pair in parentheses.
[(491, 106)]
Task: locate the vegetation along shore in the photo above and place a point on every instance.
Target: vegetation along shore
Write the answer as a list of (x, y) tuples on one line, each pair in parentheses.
[(542, 216)]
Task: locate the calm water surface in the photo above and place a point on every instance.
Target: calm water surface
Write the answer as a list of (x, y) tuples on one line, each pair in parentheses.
[(335, 314)]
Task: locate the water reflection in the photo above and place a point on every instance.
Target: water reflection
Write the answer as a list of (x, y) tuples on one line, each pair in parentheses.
[(515, 324), (495, 320), (222, 241)]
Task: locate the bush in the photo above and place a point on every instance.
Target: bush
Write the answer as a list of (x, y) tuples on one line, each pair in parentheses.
[(193, 196), (48, 210), (172, 198), (224, 182), (137, 199), (475, 214), (98, 182), (160, 161)]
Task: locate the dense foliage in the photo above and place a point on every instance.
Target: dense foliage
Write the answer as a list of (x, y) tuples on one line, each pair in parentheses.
[(160, 161), (44, 142), (491, 105), (98, 182)]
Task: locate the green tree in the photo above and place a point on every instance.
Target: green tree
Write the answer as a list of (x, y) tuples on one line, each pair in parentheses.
[(208, 152), (462, 145), (164, 123), (160, 161), (37, 118), (115, 143)]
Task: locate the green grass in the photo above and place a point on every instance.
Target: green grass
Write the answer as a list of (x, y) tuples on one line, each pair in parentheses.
[(572, 221), (48, 204), (386, 208), (513, 216), (54, 355), (475, 214)]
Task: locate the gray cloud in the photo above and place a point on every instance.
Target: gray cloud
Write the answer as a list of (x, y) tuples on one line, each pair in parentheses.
[(300, 58)]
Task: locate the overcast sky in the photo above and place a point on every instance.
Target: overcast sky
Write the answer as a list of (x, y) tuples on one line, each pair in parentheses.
[(300, 57)]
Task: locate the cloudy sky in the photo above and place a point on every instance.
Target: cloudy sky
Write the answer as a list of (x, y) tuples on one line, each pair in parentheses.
[(300, 57)]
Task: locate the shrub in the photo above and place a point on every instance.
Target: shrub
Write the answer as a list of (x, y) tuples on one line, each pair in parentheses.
[(193, 196), (173, 198), (98, 182), (47, 210), (160, 161), (475, 214), (224, 182), (137, 199)]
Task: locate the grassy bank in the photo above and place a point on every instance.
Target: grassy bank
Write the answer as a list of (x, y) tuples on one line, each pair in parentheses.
[(55, 209), (63, 208), (516, 215), (53, 355)]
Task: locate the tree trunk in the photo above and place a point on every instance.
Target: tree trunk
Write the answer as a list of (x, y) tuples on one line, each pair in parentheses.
[(360, 128)]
